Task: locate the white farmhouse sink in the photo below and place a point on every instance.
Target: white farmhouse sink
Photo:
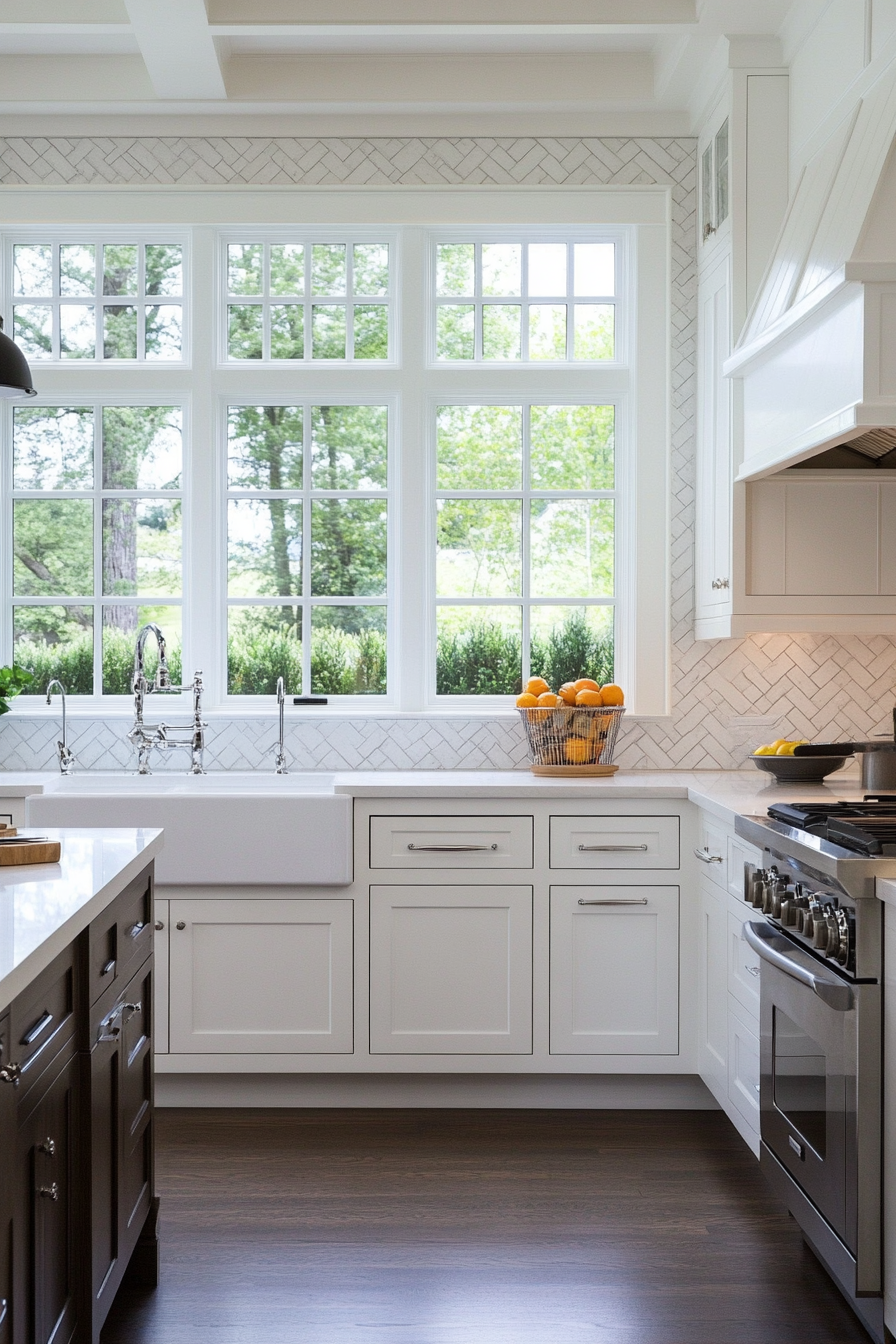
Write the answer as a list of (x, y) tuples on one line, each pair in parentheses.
[(220, 829)]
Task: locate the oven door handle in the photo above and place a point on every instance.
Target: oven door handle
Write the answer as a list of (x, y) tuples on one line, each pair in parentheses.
[(773, 948)]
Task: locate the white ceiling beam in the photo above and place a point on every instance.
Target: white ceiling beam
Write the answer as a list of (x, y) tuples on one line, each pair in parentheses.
[(178, 49), (619, 12)]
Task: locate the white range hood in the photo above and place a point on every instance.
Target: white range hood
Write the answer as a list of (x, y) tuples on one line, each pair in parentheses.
[(817, 357)]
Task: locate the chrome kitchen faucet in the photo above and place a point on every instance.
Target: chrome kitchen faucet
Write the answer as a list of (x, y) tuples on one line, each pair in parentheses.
[(280, 766), (63, 751), (144, 737)]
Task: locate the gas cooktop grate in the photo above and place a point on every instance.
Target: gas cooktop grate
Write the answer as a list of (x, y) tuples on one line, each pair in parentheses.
[(868, 828)]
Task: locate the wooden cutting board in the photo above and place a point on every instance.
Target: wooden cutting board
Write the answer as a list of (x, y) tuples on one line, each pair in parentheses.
[(42, 851)]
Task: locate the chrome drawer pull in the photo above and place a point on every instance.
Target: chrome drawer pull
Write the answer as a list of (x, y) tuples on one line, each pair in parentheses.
[(38, 1029), (448, 849), (136, 930), (705, 857), (610, 849), (751, 970), (109, 968), (641, 900), (49, 1192)]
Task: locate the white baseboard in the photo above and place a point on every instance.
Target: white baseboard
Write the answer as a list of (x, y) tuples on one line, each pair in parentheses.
[(540, 1091)]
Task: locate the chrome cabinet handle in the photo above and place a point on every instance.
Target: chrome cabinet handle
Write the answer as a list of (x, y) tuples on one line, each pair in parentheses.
[(136, 930), (751, 970), (705, 857), (38, 1029), (719, 583), (180, 924), (641, 900), (48, 1147), (160, 924), (49, 1191), (610, 849), (11, 1073), (109, 968), (448, 849), (4, 1308)]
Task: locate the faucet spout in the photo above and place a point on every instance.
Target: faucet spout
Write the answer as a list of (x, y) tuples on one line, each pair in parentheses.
[(162, 679), (64, 754)]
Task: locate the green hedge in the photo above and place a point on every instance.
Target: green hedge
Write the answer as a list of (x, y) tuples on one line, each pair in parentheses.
[(487, 660)]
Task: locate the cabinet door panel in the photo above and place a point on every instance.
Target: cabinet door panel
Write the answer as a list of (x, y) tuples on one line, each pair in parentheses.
[(451, 842), (450, 970), (614, 970), (713, 985), (714, 470), (743, 1068), (743, 969), (614, 842), (273, 976)]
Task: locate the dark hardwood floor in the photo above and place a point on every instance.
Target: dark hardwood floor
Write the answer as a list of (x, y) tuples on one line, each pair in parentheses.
[(472, 1227)]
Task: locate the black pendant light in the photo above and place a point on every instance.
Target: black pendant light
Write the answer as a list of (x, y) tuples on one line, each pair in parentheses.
[(15, 375)]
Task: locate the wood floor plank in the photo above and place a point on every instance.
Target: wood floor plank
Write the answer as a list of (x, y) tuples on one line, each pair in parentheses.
[(473, 1227)]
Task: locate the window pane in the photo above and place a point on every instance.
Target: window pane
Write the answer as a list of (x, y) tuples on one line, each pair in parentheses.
[(77, 332), (349, 447), (348, 651), (348, 548), (264, 447), (77, 269), (287, 268), (455, 331), (328, 268), (287, 331), (245, 268), (328, 331), (501, 268), (120, 626), (119, 332), (478, 548), (594, 330), (547, 331), (53, 547), (571, 642), (164, 268), (572, 548), (264, 548), (244, 328), (32, 270), (501, 331), (572, 447), (120, 268), (55, 642), (478, 651), (454, 268), (547, 269), (595, 268), (371, 331), (52, 448), (32, 330), (264, 643), (163, 331), (142, 548), (371, 268), (479, 447), (142, 447)]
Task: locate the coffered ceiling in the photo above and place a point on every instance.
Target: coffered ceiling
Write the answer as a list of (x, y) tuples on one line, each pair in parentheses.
[(587, 66)]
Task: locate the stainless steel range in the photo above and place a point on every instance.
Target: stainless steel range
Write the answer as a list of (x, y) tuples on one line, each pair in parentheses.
[(819, 933)]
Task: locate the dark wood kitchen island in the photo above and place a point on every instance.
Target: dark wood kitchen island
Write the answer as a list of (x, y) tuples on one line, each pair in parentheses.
[(77, 1193)]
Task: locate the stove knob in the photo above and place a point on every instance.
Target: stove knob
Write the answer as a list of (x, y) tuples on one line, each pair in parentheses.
[(790, 912), (839, 944), (753, 891), (821, 930)]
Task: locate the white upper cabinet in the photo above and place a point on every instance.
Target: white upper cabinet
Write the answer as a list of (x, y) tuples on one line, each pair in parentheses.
[(714, 474)]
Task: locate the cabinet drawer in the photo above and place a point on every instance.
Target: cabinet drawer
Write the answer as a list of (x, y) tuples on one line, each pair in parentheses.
[(121, 937), (451, 842), (712, 849), (743, 969), (42, 1018), (743, 1068), (614, 842)]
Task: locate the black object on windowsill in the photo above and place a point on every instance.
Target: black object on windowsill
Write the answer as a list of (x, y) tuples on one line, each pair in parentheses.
[(309, 699)]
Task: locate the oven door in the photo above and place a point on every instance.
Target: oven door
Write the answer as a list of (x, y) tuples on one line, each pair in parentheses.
[(820, 1086)]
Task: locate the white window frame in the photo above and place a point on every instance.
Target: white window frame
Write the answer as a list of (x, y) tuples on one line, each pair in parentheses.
[(419, 213)]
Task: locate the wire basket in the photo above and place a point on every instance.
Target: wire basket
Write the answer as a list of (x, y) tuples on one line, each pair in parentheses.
[(572, 739)]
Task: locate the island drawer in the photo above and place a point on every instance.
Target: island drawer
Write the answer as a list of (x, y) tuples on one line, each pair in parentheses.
[(42, 1018), (614, 842), (121, 937), (451, 842)]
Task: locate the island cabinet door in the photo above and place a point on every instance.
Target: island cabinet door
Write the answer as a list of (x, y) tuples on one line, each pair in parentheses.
[(120, 1080), (450, 970), (712, 986), (260, 976), (7, 1146), (47, 1222), (614, 970)]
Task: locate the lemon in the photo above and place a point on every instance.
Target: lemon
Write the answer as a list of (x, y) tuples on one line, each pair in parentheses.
[(764, 751)]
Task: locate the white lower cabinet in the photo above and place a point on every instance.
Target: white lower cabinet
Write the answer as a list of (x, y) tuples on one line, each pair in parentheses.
[(258, 975), (712, 1012), (743, 1068), (160, 985), (614, 970), (451, 969)]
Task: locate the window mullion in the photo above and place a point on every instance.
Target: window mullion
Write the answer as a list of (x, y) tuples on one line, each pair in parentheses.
[(98, 549), (306, 548)]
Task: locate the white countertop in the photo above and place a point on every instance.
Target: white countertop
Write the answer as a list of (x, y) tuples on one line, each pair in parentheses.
[(44, 906)]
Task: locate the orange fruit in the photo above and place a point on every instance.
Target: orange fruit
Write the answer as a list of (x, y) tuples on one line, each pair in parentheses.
[(536, 686), (587, 696), (568, 692), (578, 751), (526, 700), (586, 684), (612, 694), (549, 700)]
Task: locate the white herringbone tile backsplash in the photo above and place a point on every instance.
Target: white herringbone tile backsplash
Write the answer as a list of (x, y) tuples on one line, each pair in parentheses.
[(818, 686)]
